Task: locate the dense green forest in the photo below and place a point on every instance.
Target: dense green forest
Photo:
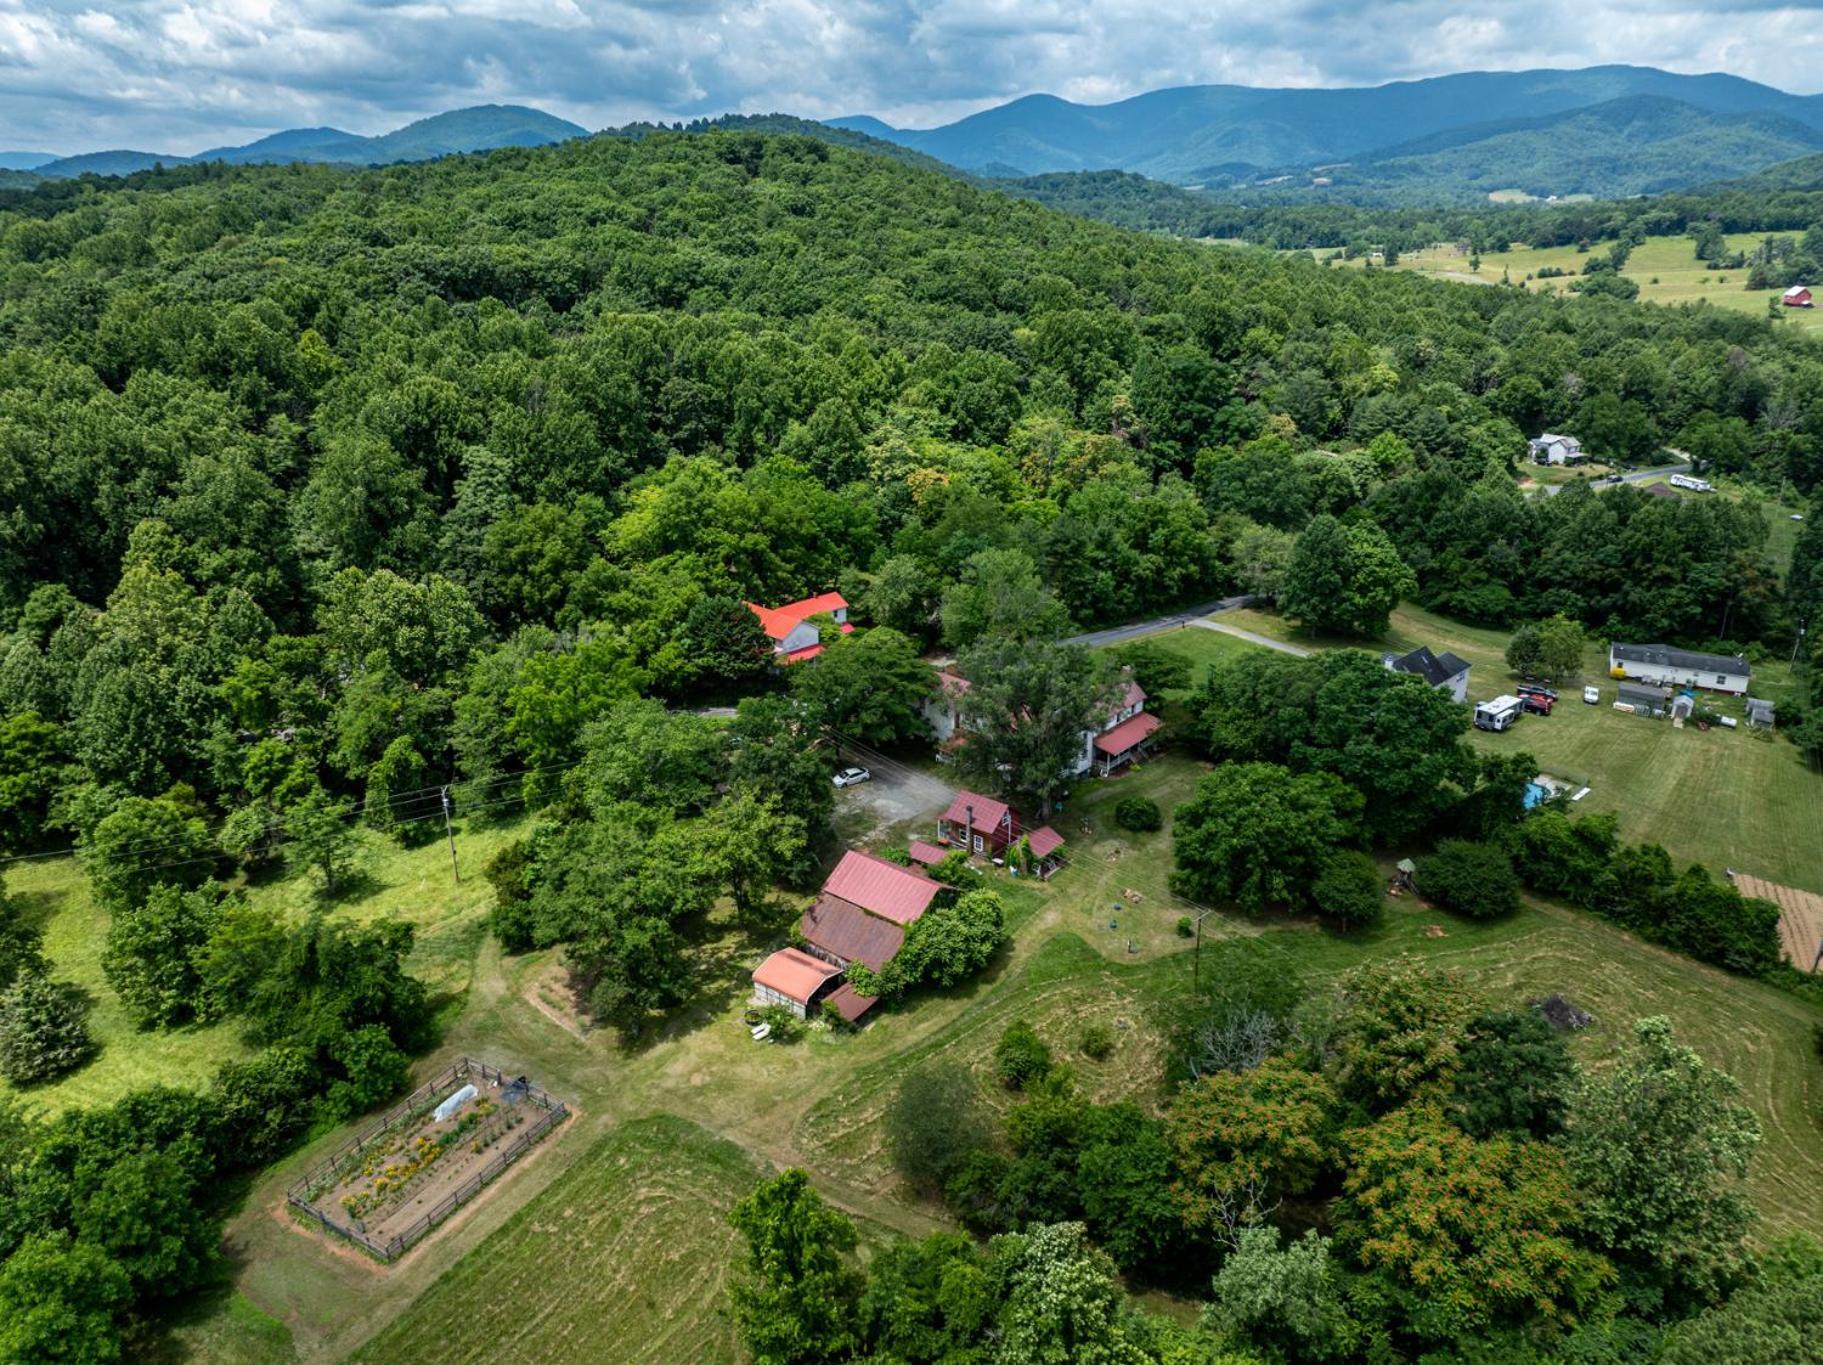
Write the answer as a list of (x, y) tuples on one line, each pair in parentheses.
[(346, 456), (321, 488)]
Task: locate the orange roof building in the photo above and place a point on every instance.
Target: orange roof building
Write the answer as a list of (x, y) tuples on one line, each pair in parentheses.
[(794, 979), (794, 638)]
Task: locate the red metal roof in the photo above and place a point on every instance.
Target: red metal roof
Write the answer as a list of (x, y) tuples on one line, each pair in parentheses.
[(928, 854), (848, 931), (988, 812), (1128, 733), (849, 1002), (794, 974), (778, 622), (880, 887), (1044, 842)]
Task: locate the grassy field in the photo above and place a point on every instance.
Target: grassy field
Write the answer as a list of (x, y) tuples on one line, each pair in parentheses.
[(1665, 268), (56, 896), (640, 1218), (1728, 798), (413, 885)]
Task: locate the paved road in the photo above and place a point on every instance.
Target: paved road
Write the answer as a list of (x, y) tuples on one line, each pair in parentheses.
[(1551, 490), (1189, 616), (1252, 638)]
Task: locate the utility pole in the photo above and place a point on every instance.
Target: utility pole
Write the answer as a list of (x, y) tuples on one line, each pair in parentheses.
[(450, 832)]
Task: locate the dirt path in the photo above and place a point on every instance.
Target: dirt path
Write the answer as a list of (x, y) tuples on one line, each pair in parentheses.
[(1283, 647)]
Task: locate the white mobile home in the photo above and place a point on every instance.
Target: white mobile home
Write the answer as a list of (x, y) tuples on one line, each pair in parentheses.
[(1668, 666)]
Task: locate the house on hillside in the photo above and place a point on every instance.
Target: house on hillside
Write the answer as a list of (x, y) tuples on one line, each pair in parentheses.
[(1446, 672), (1796, 297), (942, 708), (1668, 666), (1551, 448), (794, 636), (1124, 734)]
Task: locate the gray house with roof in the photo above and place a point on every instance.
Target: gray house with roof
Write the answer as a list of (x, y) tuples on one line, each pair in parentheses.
[(1668, 666), (1446, 672)]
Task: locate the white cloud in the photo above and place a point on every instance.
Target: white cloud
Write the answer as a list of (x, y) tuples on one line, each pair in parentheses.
[(181, 75)]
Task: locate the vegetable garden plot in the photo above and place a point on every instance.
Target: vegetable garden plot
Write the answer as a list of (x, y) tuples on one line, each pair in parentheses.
[(449, 1140)]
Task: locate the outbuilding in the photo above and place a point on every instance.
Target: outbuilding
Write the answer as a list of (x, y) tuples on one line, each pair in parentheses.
[(1642, 699), (1796, 297), (793, 978)]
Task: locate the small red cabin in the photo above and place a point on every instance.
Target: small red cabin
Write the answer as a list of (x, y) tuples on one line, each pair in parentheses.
[(1797, 297)]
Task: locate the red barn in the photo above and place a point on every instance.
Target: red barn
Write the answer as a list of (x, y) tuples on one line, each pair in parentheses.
[(1797, 297)]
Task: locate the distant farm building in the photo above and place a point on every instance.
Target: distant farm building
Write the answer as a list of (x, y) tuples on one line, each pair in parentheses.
[(1796, 297), (1668, 666), (1554, 449), (1445, 672), (793, 634), (1761, 714), (794, 979)]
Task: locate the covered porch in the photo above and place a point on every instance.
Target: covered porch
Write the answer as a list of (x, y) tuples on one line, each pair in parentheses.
[(1130, 740)]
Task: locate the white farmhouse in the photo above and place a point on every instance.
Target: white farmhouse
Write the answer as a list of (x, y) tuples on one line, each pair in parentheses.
[(1553, 449)]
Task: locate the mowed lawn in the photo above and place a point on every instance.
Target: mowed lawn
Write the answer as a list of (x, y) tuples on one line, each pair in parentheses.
[(625, 1258), (55, 896), (413, 885), (1728, 798), (1665, 268)]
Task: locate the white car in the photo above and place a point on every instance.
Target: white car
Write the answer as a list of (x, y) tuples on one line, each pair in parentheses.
[(849, 777), (1591, 694)]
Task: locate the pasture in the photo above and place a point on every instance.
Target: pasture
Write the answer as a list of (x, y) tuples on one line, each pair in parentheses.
[(1665, 268)]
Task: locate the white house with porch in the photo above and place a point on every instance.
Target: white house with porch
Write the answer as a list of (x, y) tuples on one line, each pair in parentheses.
[(1551, 448)]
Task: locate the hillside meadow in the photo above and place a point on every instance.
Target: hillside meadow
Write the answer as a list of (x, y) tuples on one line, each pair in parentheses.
[(1665, 268)]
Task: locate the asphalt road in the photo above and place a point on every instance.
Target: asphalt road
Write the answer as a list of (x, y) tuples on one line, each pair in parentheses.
[(1551, 490), (1115, 635)]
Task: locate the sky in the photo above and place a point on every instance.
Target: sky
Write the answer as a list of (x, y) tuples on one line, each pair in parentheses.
[(183, 75)]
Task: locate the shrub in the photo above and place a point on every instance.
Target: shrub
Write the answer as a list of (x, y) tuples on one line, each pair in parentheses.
[(1138, 813), (44, 1029), (1470, 879), (1096, 1040), (786, 1026), (1021, 1056), (934, 1124), (1186, 927), (956, 870), (1348, 891)]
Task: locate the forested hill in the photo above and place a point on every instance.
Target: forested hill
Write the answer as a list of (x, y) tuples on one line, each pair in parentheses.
[(435, 454)]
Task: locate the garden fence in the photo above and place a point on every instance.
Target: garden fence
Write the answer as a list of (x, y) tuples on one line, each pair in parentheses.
[(327, 1173)]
